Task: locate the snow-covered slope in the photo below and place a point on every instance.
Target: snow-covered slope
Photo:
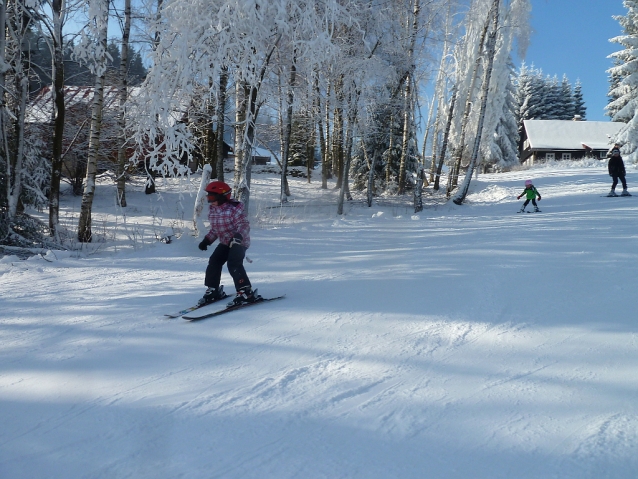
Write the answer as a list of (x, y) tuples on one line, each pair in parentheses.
[(462, 342)]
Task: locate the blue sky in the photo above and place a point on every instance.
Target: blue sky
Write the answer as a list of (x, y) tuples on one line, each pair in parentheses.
[(572, 37)]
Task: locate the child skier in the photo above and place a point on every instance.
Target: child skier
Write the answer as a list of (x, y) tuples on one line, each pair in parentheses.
[(531, 193), (229, 224)]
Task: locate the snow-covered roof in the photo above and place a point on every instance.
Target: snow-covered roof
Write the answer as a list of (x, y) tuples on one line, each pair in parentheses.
[(570, 135), (261, 152)]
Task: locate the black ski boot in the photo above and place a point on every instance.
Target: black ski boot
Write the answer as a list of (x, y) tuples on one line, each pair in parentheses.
[(244, 296), (211, 295)]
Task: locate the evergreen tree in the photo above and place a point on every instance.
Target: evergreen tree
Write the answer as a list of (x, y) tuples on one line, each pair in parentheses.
[(566, 111), (624, 94), (538, 102), (523, 83), (579, 103), (553, 103), (623, 91)]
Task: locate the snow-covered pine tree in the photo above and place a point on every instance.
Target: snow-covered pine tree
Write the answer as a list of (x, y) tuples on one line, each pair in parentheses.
[(624, 89), (579, 103), (538, 104), (566, 111), (553, 103), (618, 94)]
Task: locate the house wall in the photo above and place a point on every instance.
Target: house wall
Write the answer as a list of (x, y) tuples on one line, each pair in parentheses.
[(531, 157)]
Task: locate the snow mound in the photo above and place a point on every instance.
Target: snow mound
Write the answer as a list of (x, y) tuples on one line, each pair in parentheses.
[(491, 194)]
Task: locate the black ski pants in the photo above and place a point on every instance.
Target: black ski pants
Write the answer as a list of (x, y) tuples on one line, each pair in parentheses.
[(615, 181), (235, 258), (533, 200)]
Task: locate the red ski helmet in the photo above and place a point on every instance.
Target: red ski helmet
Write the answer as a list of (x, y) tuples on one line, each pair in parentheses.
[(218, 188)]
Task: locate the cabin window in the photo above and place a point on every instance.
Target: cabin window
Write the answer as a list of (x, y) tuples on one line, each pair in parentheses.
[(603, 154), (567, 156), (549, 157)]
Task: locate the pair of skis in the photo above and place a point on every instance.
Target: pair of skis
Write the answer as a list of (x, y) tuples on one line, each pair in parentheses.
[(227, 309)]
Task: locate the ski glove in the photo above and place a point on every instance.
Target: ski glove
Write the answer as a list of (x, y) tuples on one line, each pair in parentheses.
[(518, 197), (539, 197), (204, 244), (236, 240)]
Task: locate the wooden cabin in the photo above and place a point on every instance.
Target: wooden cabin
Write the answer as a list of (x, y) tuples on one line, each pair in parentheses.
[(549, 140)]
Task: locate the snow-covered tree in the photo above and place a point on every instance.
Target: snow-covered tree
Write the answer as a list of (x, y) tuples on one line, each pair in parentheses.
[(199, 40), (553, 103), (579, 102), (505, 140), (93, 50), (24, 173), (624, 90), (566, 108)]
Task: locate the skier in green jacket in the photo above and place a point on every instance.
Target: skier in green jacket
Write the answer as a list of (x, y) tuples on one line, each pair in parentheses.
[(531, 193)]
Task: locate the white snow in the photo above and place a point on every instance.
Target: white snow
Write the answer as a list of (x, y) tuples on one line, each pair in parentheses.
[(461, 342)]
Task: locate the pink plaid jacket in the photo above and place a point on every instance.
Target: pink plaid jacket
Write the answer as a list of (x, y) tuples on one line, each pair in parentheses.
[(226, 220)]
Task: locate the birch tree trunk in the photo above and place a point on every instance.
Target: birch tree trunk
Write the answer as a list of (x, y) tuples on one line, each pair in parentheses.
[(329, 159), (446, 134), (240, 125), (85, 234), (14, 102), (390, 160), (59, 110), (16, 148), (344, 192), (200, 200), (245, 126), (4, 124), (322, 139), (407, 104), (280, 118), (337, 132), (373, 165), (287, 131), (310, 148), (438, 85), (456, 168), (221, 122), (122, 97), (490, 53), (438, 100)]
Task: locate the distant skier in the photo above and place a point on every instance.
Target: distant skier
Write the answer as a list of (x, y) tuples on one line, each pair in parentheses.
[(531, 193), (229, 224), (616, 169)]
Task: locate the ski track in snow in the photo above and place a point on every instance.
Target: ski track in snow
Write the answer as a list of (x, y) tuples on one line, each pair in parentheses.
[(464, 342)]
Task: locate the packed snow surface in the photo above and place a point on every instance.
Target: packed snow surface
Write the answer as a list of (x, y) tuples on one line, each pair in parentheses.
[(459, 342)]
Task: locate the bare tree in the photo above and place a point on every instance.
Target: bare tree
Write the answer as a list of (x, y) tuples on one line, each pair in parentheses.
[(123, 95), (85, 234), (408, 101)]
